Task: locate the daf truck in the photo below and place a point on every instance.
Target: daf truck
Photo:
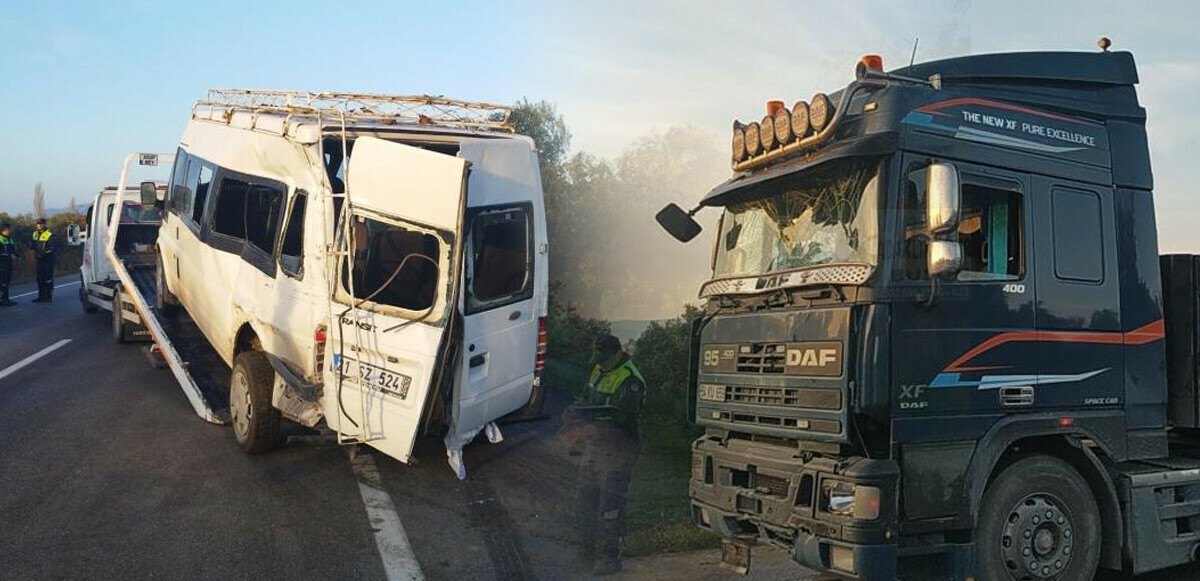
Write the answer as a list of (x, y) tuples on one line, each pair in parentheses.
[(939, 340)]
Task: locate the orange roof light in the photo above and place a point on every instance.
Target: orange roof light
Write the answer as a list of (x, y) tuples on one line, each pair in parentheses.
[(869, 62), (774, 106)]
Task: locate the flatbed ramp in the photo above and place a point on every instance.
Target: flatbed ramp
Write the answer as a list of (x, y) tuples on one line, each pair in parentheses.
[(206, 380)]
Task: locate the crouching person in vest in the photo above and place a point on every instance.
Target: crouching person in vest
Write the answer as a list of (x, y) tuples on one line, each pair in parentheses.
[(44, 246), (607, 418)]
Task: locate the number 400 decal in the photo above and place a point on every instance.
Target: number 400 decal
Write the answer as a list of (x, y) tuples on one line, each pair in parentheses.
[(1014, 288)]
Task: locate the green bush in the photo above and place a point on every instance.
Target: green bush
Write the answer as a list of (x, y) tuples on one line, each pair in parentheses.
[(69, 257), (661, 353)]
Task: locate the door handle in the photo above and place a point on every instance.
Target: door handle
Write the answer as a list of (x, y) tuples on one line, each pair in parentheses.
[(514, 315), (1016, 396), (477, 360)]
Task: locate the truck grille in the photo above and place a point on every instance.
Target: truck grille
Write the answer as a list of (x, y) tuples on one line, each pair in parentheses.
[(821, 399), (771, 485), (761, 358)]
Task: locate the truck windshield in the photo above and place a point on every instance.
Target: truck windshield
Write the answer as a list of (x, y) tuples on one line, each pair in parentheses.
[(135, 213), (825, 216)]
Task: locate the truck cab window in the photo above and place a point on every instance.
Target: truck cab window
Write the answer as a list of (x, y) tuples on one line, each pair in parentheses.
[(501, 255), (381, 273), (291, 250), (990, 231), (1078, 243)]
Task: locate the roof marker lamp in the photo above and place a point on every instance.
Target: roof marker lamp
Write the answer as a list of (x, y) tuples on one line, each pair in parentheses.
[(739, 141), (753, 142), (869, 63), (783, 126)]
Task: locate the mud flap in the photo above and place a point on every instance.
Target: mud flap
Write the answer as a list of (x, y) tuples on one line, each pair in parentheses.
[(735, 555)]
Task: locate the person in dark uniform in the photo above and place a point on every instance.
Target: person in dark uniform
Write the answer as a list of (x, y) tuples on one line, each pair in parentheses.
[(44, 246), (8, 254), (607, 417)]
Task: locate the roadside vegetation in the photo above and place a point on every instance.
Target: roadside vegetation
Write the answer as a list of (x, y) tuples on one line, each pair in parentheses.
[(69, 257), (601, 229)]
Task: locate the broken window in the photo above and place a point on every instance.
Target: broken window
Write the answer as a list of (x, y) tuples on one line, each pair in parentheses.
[(501, 258), (200, 197), (990, 233), (179, 194), (291, 250), (393, 265), (248, 211)]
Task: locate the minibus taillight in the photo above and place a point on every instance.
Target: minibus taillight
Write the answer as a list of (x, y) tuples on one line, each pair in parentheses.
[(319, 351), (540, 362)]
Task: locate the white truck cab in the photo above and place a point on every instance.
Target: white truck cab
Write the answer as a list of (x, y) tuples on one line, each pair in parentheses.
[(136, 241), (375, 262)]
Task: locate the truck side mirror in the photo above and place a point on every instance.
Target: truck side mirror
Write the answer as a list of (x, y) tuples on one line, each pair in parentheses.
[(73, 237), (149, 192), (678, 223), (941, 198), (944, 258)]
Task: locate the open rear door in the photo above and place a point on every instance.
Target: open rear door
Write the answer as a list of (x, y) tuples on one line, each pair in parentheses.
[(394, 291)]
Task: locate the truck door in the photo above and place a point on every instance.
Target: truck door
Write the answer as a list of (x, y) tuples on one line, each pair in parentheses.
[(394, 291), (1078, 309), (970, 351), (500, 323)]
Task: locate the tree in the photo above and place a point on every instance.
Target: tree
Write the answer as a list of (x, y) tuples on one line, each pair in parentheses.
[(39, 201), (73, 208), (549, 132)]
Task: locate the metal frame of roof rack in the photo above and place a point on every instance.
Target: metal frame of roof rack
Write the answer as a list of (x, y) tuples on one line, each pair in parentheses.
[(354, 107)]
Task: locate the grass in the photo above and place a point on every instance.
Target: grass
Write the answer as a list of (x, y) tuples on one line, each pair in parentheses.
[(659, 510)]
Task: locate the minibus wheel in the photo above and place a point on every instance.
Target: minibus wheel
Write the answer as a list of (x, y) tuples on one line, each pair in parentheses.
[(255, 422)]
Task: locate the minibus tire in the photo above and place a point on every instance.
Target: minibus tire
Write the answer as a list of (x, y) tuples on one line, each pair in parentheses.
[(164, 302), (1038, 513), (118, 316), (255, 422)]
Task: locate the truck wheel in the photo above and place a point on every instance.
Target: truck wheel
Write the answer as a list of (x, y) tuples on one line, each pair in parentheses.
[(118, 316), (164, 302), (88, 306), (255, 422), (1038, 521)]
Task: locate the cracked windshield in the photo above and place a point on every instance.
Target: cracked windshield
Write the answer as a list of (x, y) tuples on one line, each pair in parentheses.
[(826, 216)]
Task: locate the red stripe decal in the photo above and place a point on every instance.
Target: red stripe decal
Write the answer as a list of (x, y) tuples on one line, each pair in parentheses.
[(1140, 336), (935, 107)]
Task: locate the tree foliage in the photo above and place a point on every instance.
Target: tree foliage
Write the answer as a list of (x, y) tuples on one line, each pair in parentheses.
[(662, 353)]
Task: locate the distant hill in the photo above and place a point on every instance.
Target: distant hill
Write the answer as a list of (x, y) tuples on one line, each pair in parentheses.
[(627, 331)]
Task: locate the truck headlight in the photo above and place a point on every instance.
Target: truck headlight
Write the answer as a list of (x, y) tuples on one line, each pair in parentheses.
[(849, 499)]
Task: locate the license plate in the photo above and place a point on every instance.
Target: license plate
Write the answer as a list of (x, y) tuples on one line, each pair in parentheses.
[(735, 555), (373, 377)]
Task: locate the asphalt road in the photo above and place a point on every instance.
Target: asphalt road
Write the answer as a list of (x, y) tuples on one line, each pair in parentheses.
[(105, 472)]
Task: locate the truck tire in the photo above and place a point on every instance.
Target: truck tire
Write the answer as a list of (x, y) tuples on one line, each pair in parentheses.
[(118, 316), (255, 422), (164, 302), (1039, 521), (88, 306)]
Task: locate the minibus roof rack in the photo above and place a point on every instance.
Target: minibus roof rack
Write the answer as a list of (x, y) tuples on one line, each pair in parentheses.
[(355, 108)]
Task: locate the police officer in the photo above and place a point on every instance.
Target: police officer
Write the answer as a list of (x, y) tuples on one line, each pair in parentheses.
[(8, 253), (44, 246), (607, 416)]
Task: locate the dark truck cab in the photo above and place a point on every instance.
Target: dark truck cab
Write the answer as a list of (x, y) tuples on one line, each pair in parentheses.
[(934, 341)]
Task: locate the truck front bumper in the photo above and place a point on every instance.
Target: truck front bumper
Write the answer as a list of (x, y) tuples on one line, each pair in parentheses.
[(765, 492)]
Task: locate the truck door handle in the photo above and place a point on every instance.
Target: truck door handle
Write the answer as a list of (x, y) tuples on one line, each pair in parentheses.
[(477, 360), (514, 315), (1016, 396)]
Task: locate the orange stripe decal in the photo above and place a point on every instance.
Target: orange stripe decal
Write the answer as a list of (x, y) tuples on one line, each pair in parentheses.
[(1142, 335)]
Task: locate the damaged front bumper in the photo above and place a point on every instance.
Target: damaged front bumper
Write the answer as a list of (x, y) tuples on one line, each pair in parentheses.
[(834, 515)]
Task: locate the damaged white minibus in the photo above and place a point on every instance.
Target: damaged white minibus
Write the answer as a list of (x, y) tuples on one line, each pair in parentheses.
[(376, 262)]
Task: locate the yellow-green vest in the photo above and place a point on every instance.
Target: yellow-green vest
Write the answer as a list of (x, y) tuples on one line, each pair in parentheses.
[(609, 382)]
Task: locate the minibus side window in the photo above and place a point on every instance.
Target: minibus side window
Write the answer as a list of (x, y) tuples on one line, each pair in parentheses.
[(178, 192), (501, 257), (201, 196), (291, 249)]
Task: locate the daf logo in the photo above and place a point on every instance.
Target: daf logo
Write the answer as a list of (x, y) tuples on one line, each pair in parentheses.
[(811, 357)]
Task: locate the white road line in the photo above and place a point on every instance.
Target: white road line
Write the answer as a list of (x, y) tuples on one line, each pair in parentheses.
[(399, 561), (26, 361), (29, 294)]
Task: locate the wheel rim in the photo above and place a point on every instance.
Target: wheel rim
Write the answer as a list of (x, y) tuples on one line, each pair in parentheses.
[(239, 405), (1038, 538)]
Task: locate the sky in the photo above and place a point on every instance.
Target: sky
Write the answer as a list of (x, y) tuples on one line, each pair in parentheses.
[(84, 83)]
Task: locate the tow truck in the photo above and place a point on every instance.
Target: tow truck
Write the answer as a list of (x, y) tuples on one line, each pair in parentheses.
[(939, 340)]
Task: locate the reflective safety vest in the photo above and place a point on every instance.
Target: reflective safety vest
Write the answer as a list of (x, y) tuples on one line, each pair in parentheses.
[(41, 241), (607, 383), (7, 249)]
